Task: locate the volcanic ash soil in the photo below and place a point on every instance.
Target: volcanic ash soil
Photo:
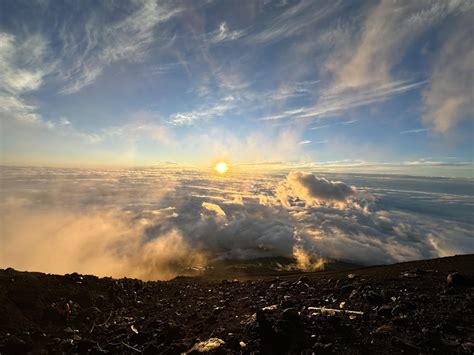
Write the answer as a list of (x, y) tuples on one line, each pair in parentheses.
[(417, 307)]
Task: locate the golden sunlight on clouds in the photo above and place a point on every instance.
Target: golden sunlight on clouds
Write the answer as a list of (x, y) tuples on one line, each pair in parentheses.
[(221, 167)]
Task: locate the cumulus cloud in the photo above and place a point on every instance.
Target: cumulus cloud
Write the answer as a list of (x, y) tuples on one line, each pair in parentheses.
[(310, 188)]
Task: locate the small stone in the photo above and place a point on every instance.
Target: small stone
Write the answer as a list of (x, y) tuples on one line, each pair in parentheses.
[(468, 347), (456, 279), (271, 308), (353, 294), (206, 346)]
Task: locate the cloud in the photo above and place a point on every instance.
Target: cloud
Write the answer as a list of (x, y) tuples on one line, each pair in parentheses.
[(333, 124), (24, 63), (142, 124), (332, 102), (388, 30), (312, 189), (16, 109), (155, 223), (361, 66), (411, 131), (212, 207), (22, 70), (223, 34), (202, 114), (449, 97), (292, 21), (21, 63), (104, 243), (99, 43)]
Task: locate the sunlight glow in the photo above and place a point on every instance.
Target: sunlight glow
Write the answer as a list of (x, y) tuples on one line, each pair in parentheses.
[(221, 167)]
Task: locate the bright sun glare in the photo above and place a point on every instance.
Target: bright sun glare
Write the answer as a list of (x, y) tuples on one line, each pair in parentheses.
[(221, 167)]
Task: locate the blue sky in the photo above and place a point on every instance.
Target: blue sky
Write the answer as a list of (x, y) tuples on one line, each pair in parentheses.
[(360, 85)]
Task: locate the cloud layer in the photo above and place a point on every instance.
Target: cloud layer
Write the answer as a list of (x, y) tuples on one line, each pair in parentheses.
[(155, 223)]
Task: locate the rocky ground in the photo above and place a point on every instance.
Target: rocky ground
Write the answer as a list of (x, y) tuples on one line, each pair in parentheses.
[(417, 307)]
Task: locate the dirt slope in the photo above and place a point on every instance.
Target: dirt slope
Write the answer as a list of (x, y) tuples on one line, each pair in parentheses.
[(408, 307)]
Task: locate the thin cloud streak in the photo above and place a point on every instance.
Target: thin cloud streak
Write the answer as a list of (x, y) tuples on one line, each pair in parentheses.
[(411, 131), (332, 103)]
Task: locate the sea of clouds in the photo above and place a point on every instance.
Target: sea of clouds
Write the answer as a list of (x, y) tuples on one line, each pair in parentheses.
[(153, 223)]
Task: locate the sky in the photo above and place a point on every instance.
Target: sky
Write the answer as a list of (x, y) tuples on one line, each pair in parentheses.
[(359, 86)]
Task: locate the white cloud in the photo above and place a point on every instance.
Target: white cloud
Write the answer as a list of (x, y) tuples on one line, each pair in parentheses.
[(22, 69), (312, 189), (388, 30), (411, 131), (21, 63), (449, 97), (334, 101), (202, 114), (152, 223), (361, 66), (125, 39), (223, 34), (292, 21)]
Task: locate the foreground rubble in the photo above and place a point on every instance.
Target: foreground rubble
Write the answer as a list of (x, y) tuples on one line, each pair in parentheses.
[(418, 307)]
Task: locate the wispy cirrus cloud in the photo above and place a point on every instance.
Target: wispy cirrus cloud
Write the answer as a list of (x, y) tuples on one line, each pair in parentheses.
[(360, 66), (22, 69), (202, 114), (334, 102), (292, 21), (223, 34), (363, 70), (389, 28), (22, 66), (349, 122), (412, 131), (449, 97), (98, 43)]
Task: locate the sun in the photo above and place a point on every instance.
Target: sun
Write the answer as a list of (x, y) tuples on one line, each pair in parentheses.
[(221, 167)]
